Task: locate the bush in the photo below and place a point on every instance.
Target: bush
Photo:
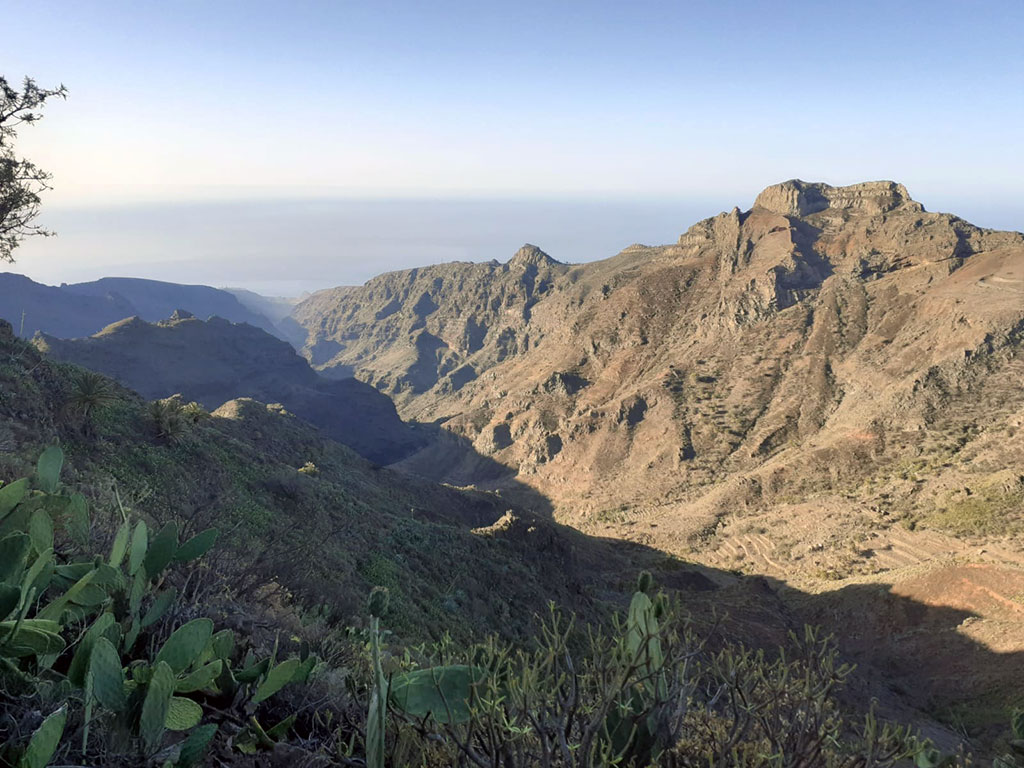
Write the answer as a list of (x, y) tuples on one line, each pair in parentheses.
[(644, 693), (90, 392), (989, 511)]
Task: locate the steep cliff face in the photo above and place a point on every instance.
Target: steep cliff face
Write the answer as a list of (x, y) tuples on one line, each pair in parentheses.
[(431, 329), (801, 349), (215, 361)]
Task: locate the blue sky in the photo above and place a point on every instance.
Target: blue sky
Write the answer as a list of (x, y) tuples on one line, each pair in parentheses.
[(700, 103)]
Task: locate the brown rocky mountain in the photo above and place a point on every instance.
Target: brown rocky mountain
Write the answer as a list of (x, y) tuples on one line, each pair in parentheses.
[(823, 319), (431, 329), (215, 361), (827, 388)]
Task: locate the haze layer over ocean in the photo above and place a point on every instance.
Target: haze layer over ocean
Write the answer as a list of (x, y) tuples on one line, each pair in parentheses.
[(287, 247)]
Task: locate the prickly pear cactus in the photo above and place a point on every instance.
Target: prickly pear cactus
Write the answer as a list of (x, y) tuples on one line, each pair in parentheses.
[(197, 546), (107, 675), (45, 740), (444, 693), (182, 714), (156, 705), (195, 746), (277, 678), (185, 645), (161, 550)]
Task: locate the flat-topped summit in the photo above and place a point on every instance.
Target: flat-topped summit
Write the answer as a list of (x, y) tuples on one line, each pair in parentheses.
[(802, 198)]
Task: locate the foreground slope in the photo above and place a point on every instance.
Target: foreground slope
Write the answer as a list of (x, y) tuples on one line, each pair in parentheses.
[(462, 562), (459, 561)]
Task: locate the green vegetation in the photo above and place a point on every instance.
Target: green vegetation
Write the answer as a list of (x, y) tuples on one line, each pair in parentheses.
[(105, 662), (645, 692), (80, 637), (90, 392), (169, 419), (989, 511), (294, 540), (1014, 757)]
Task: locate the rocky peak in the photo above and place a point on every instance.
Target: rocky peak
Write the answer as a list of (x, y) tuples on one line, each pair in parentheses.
[(802, 198), (179, 315), (531, 255)]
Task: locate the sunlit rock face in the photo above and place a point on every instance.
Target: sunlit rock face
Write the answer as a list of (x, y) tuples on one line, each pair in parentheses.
[(801, 198)]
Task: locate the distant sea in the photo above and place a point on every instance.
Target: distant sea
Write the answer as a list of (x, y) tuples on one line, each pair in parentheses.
[(284, 248), (288, 247)]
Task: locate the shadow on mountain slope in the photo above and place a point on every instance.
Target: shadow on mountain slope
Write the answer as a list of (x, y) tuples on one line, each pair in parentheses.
[(214, 361), (941, 638), (469, 562), (939, 655)]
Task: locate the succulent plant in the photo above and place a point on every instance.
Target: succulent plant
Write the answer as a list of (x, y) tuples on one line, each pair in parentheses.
[(156, 705), (43, 597), (195, 746), (48, 469), (45, 740), (444, 693), (185, 645)]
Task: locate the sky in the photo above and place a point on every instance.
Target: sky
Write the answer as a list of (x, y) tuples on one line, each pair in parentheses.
[(293, 145)]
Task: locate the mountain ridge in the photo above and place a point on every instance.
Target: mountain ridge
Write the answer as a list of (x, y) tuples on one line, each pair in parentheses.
[(675, 383), (216, 361), (827, 388), (305, 514), (823, 394), (74, 310)]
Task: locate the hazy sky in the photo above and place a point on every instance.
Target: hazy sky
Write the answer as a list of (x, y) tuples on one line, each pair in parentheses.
[(688, 107)]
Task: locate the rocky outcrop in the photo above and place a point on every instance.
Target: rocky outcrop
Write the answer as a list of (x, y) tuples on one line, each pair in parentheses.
[(800, 198), (440, 325)]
